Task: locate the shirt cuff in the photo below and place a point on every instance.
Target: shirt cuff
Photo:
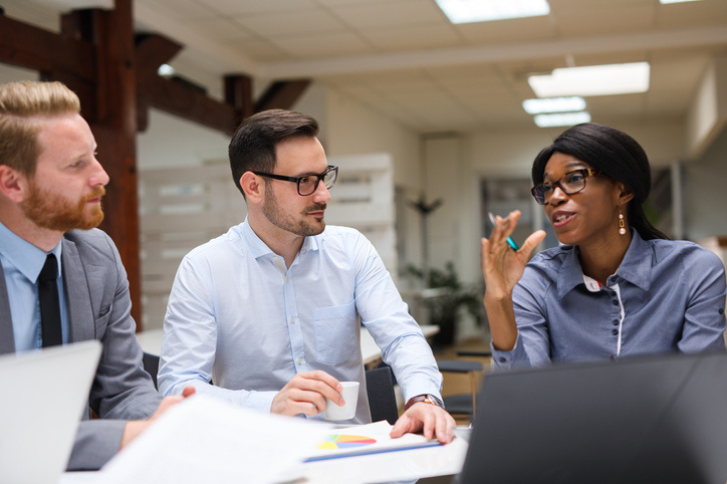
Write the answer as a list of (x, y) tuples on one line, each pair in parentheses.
[(504, 360), (262, 401), (413, 389)]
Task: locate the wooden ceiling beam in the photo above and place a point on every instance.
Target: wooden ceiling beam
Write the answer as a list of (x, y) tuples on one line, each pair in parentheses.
[(31, 47), (151, 51), (282, 95), (179, 99), (238, 94)]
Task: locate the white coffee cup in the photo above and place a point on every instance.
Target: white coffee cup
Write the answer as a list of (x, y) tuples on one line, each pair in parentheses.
[(348, 410)]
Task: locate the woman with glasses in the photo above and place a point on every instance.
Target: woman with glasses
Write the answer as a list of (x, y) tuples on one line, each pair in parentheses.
[(617, 286)]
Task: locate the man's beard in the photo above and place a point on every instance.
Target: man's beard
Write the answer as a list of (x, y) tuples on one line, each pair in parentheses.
[(54, 212), (275, 216)]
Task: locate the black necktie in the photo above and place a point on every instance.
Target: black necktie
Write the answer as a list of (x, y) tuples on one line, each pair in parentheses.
[(50, 311)]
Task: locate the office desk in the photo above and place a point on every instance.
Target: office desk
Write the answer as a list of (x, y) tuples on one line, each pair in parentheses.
[(151, 342), (391, 466)]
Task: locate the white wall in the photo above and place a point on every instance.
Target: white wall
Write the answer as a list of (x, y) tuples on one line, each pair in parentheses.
[(170, 141), (353, 129), (706, 193)]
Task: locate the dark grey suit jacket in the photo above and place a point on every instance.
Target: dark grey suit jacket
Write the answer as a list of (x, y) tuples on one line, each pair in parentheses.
[(97, 292)]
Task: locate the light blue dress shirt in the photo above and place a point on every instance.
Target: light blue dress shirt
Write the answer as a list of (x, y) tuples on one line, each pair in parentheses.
[(666, 296), (239, 317), (22, 263)]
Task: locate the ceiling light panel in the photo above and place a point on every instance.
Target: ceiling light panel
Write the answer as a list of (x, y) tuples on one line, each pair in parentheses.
[(554, 105), (466, 11), (593, 80), (562, 119)]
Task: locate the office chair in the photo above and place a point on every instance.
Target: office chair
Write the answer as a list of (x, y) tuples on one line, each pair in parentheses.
[(151, 365), (463, 403), (382, 399)]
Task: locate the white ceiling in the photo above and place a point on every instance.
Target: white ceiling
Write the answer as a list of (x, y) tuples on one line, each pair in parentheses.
[(403, 59)]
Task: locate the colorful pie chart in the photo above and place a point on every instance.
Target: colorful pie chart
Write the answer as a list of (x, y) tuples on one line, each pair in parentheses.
[(338, 441)]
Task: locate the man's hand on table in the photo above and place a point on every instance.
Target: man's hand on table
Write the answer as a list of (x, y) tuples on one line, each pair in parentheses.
[(432, 420)]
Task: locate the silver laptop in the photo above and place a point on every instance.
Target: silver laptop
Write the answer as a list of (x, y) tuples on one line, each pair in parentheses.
[(43, 396)]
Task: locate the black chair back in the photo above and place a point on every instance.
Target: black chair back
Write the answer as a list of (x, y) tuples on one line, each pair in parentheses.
[(382, 399), (151, 365)]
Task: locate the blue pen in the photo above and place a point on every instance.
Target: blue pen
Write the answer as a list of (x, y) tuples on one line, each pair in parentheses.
[(509, 239)]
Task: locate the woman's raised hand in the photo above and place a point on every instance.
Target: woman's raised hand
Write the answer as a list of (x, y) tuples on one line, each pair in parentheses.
[(502, 268)]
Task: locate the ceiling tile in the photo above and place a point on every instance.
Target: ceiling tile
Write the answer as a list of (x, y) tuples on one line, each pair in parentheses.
[(605, 20), (386, 14), (254, 7), (260, 50), (183, 10), (290, 23), (34, 13), (422, 36), (611, 58), (224, 30), (323, 45), (558, 6), (623, 105), (677, 76), (510, 30), (692, 14)]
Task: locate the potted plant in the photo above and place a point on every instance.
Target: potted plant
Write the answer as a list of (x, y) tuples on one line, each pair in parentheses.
[(444, 305)]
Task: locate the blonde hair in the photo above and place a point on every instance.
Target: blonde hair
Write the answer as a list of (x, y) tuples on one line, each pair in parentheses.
[(21, 104)]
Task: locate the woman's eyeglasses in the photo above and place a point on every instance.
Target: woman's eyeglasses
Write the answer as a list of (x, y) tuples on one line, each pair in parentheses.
[(309, 183), (572, 183)]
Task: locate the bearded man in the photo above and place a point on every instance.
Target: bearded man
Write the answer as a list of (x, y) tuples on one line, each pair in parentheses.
[(51, 185), (270, 311)]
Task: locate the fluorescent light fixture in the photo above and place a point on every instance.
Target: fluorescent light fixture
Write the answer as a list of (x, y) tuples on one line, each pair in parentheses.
[(165, 70), (562, 119), (664, 2), (554, 105), (593, 80), (465, 11)]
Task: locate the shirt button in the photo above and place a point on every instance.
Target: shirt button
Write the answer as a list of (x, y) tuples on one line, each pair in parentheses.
[(300, 361), (292, 320), (615, 322), (614, 332), (503, 359), (615, 302)]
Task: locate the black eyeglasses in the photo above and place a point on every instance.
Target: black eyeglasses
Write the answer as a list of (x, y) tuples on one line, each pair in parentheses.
[(572, 183), (309, 183)]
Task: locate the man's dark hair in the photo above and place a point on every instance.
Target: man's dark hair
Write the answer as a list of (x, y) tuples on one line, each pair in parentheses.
[(617, 155), (253, 145)]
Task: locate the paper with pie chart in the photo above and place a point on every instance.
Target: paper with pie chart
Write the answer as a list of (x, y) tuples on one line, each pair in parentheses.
[(365, 439)]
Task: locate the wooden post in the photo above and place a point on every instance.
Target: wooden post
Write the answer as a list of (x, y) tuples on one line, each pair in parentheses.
[(238, 94), (113, 122)]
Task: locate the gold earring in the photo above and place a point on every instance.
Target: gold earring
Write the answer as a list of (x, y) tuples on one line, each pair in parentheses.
[(621, 224)]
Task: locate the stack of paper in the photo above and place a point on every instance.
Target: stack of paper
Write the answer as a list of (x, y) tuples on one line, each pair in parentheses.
[(205, 440)]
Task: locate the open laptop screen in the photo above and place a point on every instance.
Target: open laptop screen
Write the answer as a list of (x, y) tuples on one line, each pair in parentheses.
[(648, 419), (44, 394)]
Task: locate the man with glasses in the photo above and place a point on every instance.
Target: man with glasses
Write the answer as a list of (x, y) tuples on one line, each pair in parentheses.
[(270, 311)]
